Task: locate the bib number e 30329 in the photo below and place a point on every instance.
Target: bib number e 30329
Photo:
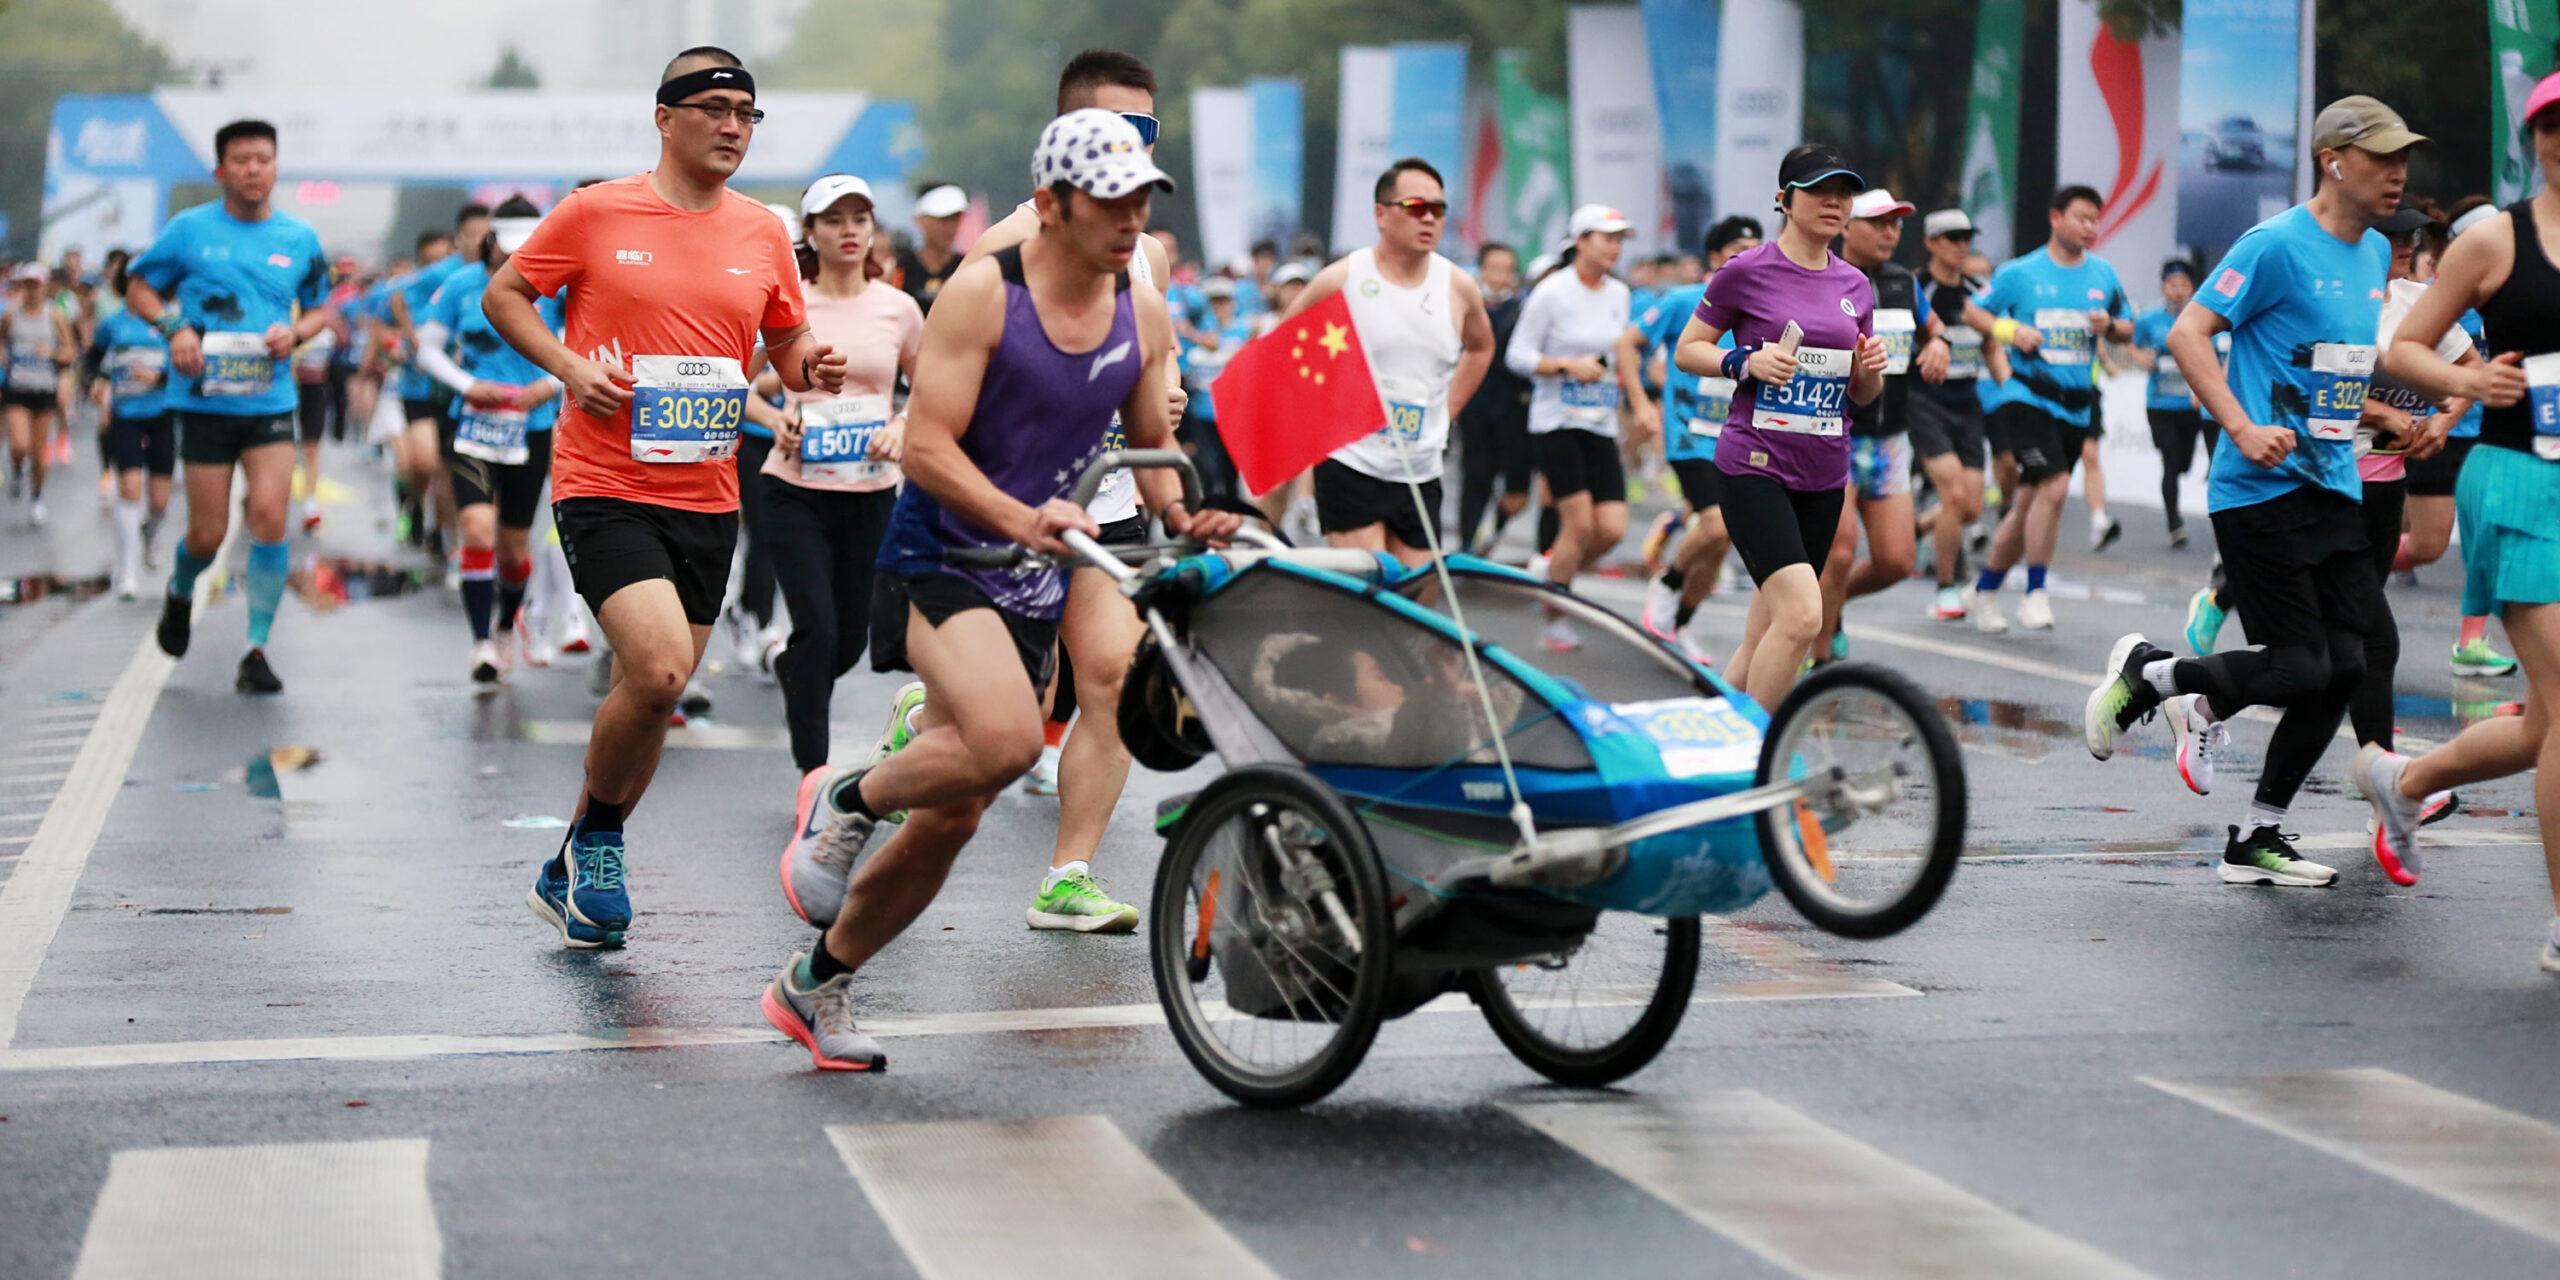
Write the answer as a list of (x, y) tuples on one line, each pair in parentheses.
[(686, 408), (2340, 373)]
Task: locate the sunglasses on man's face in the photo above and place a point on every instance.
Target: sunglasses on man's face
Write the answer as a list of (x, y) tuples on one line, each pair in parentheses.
[(1145, 124), (1416, 206)]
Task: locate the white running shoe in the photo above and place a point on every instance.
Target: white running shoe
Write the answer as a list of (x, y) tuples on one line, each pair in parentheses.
[(128, 590), (769, 647), (36, 514), (1661, 610), (2395, 840), (574, 637), (1538, 566), (487, 666), (2035, 612), (2201, 741), (1559, 636), (2551, 947), (1043, 778), (535, 640), (1985, 612)]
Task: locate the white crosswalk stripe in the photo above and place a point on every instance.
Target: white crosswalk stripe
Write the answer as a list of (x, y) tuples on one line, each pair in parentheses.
[(1809, 1198), (311, 1211), (983, 1200), (2483, 1158)]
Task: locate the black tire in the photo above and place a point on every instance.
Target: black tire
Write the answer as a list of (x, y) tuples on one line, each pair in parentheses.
[(1347, 991), (1156, 721), (1592, 1066), (1942, 844)]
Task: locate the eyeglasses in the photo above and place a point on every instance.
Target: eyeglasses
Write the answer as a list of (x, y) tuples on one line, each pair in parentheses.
[(1416, 206), (717, 112), (1146, 125)]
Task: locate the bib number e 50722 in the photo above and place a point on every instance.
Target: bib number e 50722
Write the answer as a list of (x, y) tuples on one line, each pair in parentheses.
[(686, 408), (836, 436), (1813, 402), (492, 434), (2340, 373), (236, 364)]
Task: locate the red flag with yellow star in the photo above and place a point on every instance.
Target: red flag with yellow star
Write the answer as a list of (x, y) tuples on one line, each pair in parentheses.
[(1295, 394)]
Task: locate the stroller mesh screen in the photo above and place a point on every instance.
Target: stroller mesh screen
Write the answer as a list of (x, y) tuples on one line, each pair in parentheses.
[(1343, 681), (1615, 664)]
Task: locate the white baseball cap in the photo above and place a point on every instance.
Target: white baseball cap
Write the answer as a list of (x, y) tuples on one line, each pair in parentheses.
[(823, 194), (30, 271), (1097, 153), (1877, 202), (2478, 215), (1291, 273), (1946, 222), (513, 232), (1595, 217), (945, 201)]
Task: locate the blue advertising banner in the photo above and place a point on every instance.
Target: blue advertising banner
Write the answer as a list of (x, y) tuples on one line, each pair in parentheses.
[(1681, 35), (2238, 77), (1279, 158), (1430, 114)]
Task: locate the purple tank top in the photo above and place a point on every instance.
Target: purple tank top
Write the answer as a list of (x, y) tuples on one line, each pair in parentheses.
[(1043, 415)]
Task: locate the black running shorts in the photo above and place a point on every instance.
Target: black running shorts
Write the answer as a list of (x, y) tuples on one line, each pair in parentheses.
[(612, 543), (515, 489), (1348, 500), (939, 597), (1773, 526), (1577, 461)]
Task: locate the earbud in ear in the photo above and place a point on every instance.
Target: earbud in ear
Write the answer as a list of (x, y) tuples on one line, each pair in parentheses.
[(2336, 172)]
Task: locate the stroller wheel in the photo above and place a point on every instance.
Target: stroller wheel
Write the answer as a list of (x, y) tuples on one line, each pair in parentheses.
[(1872, 856), (1272, 937), (1599, 1013)]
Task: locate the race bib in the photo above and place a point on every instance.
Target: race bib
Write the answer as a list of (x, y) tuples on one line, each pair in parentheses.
[(1695, 735), (2167, 381), (1407, 405), (1592, 406), (2340, 372), (2542, 390), (1896, 328), (492, 434), (836, 436), (2067, 336), (137, 371), (686, 408), (311, 360), (236, 364), (1964, 353), (1715, 405), (34, 374), (1812, 402)]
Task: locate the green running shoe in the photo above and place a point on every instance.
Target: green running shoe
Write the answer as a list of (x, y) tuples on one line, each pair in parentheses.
[(899, 732), (2266, 856), (2478, 659), (2204, 622), (1078, 903)]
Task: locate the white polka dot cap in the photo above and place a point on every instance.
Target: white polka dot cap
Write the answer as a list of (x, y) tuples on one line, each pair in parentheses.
[(1096, 152)]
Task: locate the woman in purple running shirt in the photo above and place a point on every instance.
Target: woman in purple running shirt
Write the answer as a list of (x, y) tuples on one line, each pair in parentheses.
[(1785, 448)]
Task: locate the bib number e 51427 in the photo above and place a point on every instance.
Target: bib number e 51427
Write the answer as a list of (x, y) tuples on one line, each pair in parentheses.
[(492, 434), (686, 408), (236, 364), (1896, 328), (2340, 373), (2542, 391), (1813, 402), (2067, 336), (836, 436)]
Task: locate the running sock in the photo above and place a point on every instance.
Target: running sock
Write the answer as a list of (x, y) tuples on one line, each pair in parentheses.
[(1548, 523), (511, 585), (823, 965), (1056, 874), (1681, 615), (128, 538), (2261, 816), (2035, 577), (1053, 734), (1990, 580), (1672, 578), (479, 588), (599, 819), (151, 525), (268, 564), (2475, 629), (187, 567), (2161, 675), (848, 796)]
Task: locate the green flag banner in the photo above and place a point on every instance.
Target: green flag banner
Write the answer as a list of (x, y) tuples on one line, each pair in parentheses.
[(2520, 34), (1537, 157), (1991, 124)]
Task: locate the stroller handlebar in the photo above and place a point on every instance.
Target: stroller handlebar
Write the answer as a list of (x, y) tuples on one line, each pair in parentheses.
[(1086, 486)]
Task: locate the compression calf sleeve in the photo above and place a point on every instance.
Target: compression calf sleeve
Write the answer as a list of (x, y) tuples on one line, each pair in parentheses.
[(511, 587), (269, 562), (185, 568), (479, 588)]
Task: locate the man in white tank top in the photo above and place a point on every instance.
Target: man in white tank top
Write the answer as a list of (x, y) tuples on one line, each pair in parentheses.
[(1424, 329)]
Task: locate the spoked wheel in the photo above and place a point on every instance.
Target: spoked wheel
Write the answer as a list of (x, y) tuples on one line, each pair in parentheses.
[(1599, 1012), (1272, 937), (1873, 855)]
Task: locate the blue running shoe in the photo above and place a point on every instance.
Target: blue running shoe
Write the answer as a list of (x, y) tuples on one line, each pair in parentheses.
[(549, 898), (596, 897), (2204, 622)]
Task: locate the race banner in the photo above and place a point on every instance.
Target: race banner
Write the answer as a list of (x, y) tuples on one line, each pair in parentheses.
[(1991, 126), (1682, 37), (1365, 121), (1279, 158), (2239, 68), (2116, 129), (1222, 170), (1617, 148), (1486, 220), (1759, 100), (2520, 35), (1430, 116), (1537, 159)]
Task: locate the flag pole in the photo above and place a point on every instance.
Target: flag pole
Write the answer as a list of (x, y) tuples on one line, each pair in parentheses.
[(1520, 815)]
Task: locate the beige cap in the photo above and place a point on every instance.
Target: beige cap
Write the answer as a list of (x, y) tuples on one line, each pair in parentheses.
[(2359, 121)]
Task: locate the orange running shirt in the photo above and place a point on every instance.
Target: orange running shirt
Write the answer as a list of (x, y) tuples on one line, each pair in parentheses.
[(645, 278)]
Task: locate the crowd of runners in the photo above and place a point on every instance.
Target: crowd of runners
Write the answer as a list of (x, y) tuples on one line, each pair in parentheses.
[(709, 388)]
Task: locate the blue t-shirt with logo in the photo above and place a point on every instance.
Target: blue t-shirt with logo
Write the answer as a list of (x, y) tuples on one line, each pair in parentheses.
[(418, 288), (474, 342), (1682, 399), (2469, 427), (2151, 333), (2035, 290), (232, 280), (2304, 307), (1212, 361), (134, 359)]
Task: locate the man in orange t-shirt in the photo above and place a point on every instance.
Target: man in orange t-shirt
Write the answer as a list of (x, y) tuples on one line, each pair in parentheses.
[(671, 277)]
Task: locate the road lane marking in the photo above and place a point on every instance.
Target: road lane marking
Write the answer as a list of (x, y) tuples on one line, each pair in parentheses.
[(2492, 1161), (887, 1027), (982, 1200), (307, 1211), (1806, 1197), (695, 735)]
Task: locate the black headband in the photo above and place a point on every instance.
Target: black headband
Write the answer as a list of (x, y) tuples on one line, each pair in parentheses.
[(693, 82)]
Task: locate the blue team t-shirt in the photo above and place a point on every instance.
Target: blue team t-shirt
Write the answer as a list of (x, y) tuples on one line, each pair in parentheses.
[(474, 342), (2056, 300), (232, 280), (2304, 307), (2167, 388), (1684, 399), (418, 288), (134, 359), (2468, 428)]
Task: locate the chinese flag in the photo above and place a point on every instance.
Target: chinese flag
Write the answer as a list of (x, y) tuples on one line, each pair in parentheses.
[(1296, 394)]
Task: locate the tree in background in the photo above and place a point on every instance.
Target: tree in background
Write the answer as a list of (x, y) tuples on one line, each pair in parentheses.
[(49, 48), (512, 72)]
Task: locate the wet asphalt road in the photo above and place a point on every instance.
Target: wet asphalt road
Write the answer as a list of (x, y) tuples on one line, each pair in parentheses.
[(2019, 1094)]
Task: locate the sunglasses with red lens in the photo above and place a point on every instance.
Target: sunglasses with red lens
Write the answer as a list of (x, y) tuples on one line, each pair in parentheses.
[(1416, 206)]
